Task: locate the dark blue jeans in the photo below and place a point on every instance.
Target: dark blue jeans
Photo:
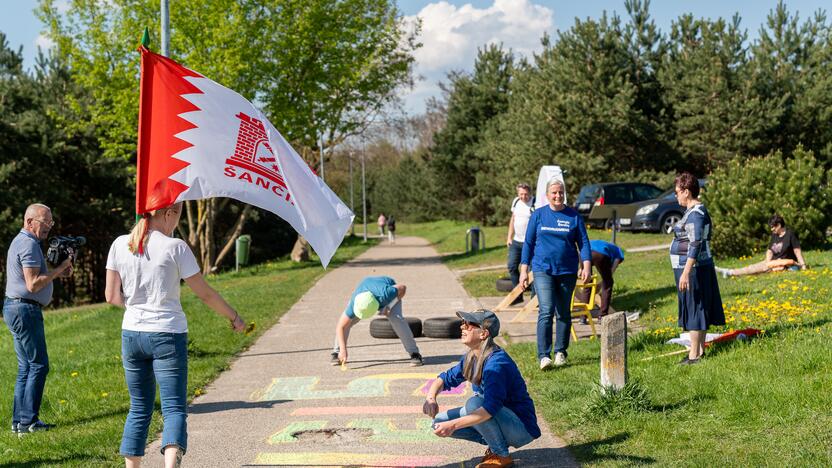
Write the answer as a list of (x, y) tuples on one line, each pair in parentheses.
[(25, 321), (148, 358), (515, 254), (554, 293)]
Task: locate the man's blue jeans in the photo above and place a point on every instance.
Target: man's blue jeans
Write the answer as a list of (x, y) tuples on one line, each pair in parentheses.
[(147, 358), (554, 294), (25, 321), (502, 431)]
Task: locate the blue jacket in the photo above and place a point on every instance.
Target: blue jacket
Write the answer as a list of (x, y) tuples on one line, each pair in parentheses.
[(501, 386), (607, 249), (551, 240), (380, 286)]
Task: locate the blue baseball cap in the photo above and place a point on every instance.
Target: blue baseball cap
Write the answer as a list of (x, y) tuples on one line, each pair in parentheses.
[(485, 319)]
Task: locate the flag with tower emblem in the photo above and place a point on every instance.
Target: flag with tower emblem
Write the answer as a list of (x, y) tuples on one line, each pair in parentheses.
[(198, 139)]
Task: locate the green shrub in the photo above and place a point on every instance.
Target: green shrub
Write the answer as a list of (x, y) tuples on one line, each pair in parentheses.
[(743, 194)]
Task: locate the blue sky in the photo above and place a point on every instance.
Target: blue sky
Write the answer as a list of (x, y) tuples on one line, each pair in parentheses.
[(453, 29)]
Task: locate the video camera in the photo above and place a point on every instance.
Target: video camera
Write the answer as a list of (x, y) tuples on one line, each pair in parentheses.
[(63, 247)]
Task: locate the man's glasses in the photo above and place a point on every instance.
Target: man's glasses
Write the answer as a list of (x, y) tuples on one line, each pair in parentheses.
[(44, 222)]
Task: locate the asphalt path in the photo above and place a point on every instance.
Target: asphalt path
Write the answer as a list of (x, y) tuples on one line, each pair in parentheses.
[(282, 403)]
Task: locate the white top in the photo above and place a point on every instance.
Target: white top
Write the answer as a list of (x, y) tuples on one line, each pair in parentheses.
[(522, 212), (150, 283)]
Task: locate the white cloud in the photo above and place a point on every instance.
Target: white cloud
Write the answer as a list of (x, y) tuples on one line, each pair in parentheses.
[(44, 42), (451, 36)]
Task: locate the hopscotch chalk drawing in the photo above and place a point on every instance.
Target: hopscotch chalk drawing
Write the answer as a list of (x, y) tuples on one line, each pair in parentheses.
[(304, 388)]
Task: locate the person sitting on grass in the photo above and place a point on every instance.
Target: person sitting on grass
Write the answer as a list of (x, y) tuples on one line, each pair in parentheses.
[(783, 253), (371, 295), (501, 413)]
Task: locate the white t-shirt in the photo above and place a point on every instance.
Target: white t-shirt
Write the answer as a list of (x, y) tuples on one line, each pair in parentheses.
[(522, 212), (151, 282)]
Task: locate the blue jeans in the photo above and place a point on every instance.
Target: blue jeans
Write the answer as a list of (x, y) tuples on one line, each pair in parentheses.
[(515, 254), (554, 293), (502, 431), (25, 321), (148, 358)]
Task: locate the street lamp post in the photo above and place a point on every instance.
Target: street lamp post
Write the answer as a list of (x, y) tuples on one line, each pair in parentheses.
[(364, 192), (352, 194), (166, 28)]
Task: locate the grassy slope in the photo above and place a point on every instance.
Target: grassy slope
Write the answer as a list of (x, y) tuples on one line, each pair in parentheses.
[(85, 392), (759, 403)]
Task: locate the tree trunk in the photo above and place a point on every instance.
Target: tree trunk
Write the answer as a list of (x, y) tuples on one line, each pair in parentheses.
[(232, 236), (300, 252)]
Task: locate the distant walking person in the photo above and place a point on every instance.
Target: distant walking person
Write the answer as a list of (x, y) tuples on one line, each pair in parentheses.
[(28, 290), (391, 229), (144, 269), (500, 414), (556, 241), (522, 208), (700, 304), (382, 222), (783, 252), (375, 295)]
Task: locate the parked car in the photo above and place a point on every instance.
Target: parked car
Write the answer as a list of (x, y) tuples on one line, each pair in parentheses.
[(657, 215), (597, 202)]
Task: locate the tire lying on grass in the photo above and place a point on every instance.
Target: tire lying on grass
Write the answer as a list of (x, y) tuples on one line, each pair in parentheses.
[(504, 285), (381, 328), (443, 327)]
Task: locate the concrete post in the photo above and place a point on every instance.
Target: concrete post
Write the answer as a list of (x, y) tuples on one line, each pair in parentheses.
[(614, 351)]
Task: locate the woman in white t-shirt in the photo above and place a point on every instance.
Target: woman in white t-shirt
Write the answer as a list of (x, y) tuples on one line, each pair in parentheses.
[(143, 273)]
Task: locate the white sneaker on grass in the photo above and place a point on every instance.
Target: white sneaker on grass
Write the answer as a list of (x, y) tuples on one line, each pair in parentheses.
[(545, 363), (560, 359)]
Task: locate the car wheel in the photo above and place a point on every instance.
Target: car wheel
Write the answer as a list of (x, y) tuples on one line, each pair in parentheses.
[(608, 225), (443, 327), (668, 221), (504, 285), (381, 328)]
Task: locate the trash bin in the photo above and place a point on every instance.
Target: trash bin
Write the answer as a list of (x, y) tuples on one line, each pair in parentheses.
[(242, 248), (474, 240)]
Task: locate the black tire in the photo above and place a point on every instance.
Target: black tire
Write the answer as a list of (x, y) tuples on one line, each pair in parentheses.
[(381, 328), (609, 223), (504, 285), (667, 222), (443, 327)]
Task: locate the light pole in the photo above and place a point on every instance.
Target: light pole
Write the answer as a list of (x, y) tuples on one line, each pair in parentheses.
[(321, 148), (352, 194), (364, 191), (166, 28)]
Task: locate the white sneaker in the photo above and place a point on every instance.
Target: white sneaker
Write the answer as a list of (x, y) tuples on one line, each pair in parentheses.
[(545, 363), (560, 359)]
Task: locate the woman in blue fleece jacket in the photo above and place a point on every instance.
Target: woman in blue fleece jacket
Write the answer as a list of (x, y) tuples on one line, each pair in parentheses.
[(555, 237), (500, 414)]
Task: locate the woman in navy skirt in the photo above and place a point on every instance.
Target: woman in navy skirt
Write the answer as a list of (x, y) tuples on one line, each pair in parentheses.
[(700, 304)]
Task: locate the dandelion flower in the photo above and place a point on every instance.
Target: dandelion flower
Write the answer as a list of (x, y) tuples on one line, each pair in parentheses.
[(74, 374)]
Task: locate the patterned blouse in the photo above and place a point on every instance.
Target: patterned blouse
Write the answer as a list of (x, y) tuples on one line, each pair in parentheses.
[(692, 238)]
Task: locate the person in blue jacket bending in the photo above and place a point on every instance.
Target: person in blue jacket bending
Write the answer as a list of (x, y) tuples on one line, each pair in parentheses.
[(375, 294), (556, 241), (500, 414)]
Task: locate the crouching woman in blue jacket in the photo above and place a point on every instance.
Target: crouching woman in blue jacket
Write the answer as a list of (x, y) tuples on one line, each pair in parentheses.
[(500, 414)]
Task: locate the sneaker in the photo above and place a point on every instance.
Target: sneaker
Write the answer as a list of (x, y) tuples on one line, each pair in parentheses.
[(545, 363), (37, 426), (492, 460), (333, 359), (416, 360), (560, 359), (14, 428), (689, 362)]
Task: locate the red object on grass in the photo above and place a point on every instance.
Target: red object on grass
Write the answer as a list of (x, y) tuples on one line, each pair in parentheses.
[(730, 336)]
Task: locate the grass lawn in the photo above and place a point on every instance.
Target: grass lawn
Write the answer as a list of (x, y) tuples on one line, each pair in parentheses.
[(763, 402), (85, 392)]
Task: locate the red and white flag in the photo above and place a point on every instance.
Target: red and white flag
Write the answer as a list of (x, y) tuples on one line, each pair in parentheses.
[(198, 139)]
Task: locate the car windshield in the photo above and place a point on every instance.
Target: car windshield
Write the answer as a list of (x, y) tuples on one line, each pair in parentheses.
[(589, 192)]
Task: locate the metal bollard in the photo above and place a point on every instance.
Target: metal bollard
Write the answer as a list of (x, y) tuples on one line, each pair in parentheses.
[(472, 240)]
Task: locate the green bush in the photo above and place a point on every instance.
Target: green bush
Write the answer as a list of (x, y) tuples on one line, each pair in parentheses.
[(743, 194)]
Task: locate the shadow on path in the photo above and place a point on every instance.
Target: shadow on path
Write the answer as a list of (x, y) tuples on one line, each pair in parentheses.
[(217, 406)]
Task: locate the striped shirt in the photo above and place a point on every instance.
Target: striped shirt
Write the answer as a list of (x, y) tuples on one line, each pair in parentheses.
[(692, 238)]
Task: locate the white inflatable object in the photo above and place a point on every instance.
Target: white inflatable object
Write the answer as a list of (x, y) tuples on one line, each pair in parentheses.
[(547, 173)]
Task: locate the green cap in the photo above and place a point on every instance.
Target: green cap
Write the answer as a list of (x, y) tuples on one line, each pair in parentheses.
[(365, 305)]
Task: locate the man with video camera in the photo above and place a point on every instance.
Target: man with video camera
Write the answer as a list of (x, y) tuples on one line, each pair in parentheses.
[(28, 290)]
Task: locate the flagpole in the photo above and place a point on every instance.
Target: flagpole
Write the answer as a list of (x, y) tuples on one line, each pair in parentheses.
[(352, 194), (321, 149), (166, 28)]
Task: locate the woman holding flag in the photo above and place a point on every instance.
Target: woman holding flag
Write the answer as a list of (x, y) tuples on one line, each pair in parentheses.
[(144, 269)]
